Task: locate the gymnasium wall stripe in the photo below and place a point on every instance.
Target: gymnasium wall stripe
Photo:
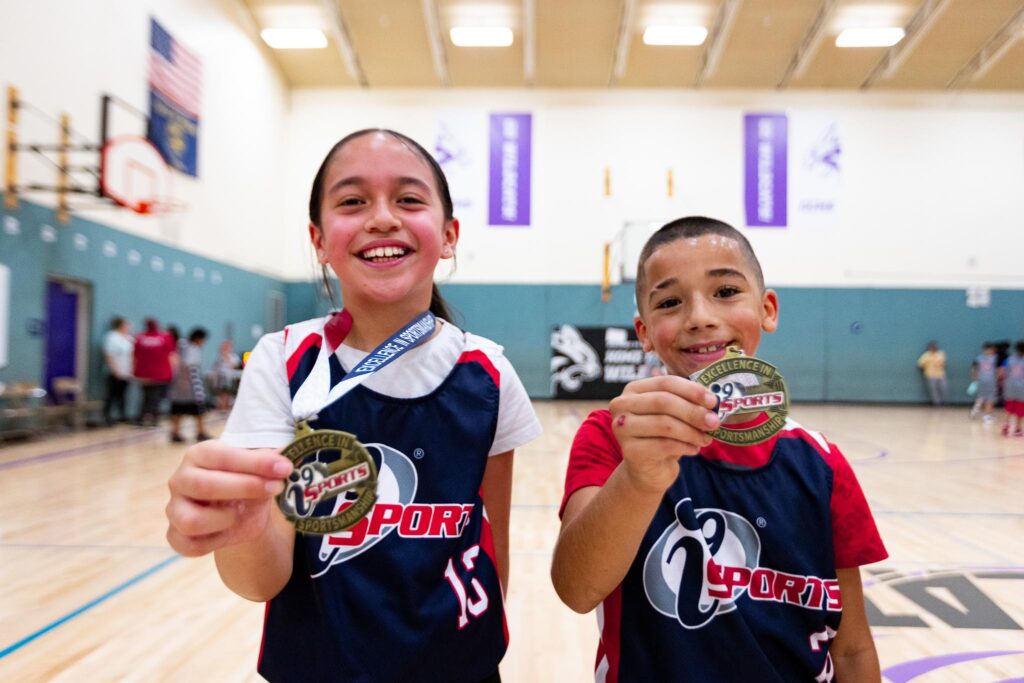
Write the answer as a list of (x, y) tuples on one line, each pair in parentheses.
[(765, 152), (510, 152)]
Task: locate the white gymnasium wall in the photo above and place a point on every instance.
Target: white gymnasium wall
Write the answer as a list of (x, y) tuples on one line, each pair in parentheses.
[(932, 184), (63, 54)]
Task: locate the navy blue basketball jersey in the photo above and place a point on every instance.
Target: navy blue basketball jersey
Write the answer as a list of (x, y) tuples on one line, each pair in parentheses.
[(735, 579), (411, 593)]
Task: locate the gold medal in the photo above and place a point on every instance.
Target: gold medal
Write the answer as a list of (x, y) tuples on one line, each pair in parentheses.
[(339, 465), (744, 384)]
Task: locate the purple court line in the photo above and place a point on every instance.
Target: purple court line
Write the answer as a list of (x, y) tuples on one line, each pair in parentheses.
[(954, 461), (149, 434), (908, 671), (881, 455), (82, 450)]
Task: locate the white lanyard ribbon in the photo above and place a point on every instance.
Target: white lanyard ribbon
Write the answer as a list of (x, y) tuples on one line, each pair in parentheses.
[(316, 392)]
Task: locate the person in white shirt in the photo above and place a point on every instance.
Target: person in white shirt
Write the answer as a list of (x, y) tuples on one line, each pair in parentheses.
[(118, 347)]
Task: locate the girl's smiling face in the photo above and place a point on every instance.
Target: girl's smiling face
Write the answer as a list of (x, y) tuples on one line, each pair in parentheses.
[(382, 223), (700, 295)]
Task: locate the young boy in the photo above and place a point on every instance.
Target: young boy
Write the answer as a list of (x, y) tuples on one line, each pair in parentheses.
[(735, 565)]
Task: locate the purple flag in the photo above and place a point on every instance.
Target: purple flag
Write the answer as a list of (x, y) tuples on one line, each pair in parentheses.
[(765, 156), (510, 169)]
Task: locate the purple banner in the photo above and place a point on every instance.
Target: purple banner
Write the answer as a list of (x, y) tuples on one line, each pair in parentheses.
[(510, 169), (765, 155)]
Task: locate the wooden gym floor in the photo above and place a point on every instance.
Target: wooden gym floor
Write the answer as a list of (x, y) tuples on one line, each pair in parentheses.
[(89, 590)]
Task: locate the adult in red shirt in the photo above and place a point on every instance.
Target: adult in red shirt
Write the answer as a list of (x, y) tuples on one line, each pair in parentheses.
[(154, 354)]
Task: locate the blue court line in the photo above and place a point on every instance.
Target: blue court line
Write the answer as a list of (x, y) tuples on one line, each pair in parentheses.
[(82, 450), (87, 606)]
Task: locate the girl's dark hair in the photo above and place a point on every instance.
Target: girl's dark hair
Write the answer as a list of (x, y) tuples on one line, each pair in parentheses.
[(438, 306), (116, 322), (198, 334)]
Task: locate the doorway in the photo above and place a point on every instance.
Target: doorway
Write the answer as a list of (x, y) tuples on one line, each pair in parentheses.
[(68, 339)]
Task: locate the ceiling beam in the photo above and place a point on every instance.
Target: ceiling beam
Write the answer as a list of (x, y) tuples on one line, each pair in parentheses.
[(339, 30), (529, 41), (919, 25), (622, 41), (991, 52), (251, 25), (716, 41), (436, 39), (809, 45)]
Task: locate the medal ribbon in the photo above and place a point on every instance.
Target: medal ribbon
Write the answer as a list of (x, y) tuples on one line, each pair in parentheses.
[(316, 392)]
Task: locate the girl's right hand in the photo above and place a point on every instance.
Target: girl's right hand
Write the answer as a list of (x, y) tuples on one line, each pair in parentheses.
[(658, 419), (222, 495)]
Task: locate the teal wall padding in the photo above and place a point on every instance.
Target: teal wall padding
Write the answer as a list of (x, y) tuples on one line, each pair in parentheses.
[(833, 344), (219, 297)]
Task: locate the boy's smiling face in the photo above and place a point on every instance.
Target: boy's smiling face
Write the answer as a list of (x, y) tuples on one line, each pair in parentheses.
[(699, 296)]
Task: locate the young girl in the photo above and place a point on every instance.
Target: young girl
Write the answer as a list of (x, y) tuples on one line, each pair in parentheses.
[(413, 591)]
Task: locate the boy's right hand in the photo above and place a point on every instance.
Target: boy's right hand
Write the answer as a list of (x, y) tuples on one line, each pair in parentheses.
[(657, 420), (222, 495)]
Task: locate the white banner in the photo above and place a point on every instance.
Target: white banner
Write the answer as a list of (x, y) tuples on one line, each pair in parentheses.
[(460, 146), (816, 167)]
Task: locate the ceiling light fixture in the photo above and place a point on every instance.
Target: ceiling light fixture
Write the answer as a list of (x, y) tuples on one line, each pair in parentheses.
[(294, 38), (675, 35), (481, 36), (869, 37)]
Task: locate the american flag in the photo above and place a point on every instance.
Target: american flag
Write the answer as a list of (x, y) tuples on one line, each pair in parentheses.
[(174, 70)]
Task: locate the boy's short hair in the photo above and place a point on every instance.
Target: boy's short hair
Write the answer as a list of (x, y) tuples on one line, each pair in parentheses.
[(688, 228), (1019, 346)]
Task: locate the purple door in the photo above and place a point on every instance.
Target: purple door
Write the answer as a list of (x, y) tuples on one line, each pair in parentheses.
[(61, 324)]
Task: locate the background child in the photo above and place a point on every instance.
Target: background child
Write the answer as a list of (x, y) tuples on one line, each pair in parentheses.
[(188, 391), (225, 373), (983, 371), (933, 366), (414, 591), (1012, 372), (733, 566)]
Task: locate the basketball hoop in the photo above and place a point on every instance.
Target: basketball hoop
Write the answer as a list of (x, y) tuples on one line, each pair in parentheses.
[(134, 175)]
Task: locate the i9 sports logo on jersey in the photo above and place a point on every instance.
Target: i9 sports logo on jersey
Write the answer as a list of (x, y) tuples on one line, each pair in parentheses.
[(708, 559), (394, 512)]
